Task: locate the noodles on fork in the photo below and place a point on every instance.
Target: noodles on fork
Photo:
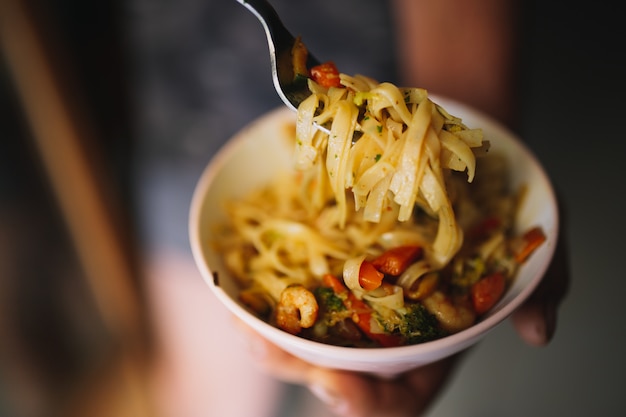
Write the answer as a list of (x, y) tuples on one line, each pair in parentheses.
[(405, 141)]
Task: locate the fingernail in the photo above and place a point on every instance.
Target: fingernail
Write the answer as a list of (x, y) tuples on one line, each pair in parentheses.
[(330, 398)]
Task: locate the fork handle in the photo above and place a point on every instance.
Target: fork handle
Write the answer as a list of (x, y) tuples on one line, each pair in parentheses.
[(276, 31)]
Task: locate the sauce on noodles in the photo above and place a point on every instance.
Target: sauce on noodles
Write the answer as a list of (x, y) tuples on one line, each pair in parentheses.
[(395, 228)]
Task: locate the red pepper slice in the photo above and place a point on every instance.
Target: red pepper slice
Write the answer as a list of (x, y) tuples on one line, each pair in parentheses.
[(362, 313), (485, 227), (487, 291), (370, 278), (396, 260), (532, 239), (326, 75)]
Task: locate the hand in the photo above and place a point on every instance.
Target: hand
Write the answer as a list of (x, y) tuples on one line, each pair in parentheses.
[(353, 394)]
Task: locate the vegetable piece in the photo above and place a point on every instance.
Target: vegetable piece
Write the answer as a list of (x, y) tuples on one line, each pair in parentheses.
[(331, 281), (396, 260), (255, 301), (327, 298), (299, 55), (332, 311), (361, 312), (418, 325), (532, 239), (412, 323), (487, 292), (469, 272), (369, 277), (485, 227), (326, 75)]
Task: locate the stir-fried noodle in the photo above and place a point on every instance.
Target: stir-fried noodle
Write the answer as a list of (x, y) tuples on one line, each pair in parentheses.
[(395, 228)]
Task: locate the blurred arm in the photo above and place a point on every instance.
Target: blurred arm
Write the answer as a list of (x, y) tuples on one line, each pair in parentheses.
[(462, 49)]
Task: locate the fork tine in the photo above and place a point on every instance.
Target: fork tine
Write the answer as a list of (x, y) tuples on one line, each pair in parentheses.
[(291, 89)]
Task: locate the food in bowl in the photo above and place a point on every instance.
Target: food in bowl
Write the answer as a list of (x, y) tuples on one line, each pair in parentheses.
[(263, 151), (396, 228)]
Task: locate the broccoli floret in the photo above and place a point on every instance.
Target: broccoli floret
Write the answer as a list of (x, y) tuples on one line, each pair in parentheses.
[(417, 325), (468, 272), (327, 298), (412, 322), (331, 306)]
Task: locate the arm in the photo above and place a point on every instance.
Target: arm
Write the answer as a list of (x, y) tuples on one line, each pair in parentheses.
[(465, 50), (469, 50)]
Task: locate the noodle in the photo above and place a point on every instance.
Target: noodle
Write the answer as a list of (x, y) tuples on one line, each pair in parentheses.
[(401, 134)]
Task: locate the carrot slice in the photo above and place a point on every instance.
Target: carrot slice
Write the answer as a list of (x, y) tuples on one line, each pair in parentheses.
[(396, 260), (361, 312), (487, 292), (370, 278), (532, 239)]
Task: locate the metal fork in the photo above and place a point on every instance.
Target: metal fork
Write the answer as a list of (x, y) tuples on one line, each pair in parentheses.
[(291, 89)]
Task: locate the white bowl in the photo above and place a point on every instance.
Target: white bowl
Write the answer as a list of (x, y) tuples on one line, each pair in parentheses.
[(262, 149)]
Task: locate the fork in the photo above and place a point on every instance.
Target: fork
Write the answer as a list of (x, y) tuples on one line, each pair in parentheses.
[(291, 89)]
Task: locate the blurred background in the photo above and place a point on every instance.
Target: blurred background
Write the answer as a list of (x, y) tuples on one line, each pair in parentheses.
[(109, 111)]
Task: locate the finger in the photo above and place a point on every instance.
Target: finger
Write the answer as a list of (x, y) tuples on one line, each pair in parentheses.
[(342, 392), (358, 395), (536, 320), (535, 323), (345, 393), (351, 394), (272, 360)]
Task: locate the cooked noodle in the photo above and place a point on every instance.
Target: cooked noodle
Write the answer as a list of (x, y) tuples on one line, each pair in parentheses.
[(405, 141), (395, 171)]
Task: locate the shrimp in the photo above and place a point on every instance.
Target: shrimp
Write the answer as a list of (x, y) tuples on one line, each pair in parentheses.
[(297, 309), (453, 315)]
